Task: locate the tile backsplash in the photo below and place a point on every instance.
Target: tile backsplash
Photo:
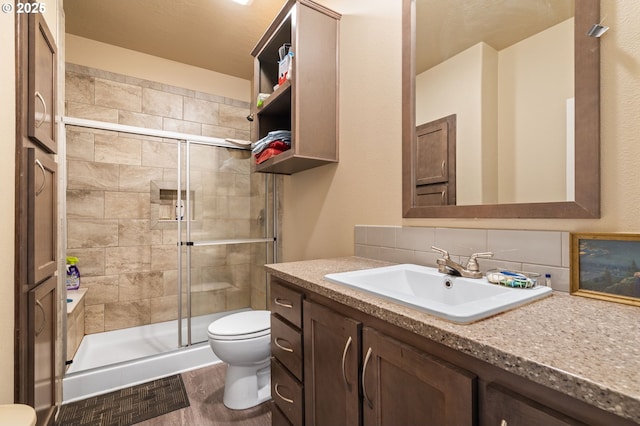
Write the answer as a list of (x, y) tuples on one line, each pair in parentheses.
[(544, 252)]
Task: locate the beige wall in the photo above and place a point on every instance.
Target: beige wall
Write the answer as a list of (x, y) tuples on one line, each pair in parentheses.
[(106, 57), (324, 204), (7, 185)]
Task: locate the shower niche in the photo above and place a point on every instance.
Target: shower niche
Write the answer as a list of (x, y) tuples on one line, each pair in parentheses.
[(167, 208)]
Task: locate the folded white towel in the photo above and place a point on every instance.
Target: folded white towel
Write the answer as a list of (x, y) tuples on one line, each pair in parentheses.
[(238, 141)]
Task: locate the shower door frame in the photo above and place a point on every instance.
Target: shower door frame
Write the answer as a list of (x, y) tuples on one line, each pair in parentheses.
[(189, 243), (188, 139)]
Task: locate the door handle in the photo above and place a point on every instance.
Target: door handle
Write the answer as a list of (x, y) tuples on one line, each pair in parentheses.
[(44, 177), (284, 348), (283, 303), (344, 357), (364, 373), (290, 401), (44, 114), (44, 318)]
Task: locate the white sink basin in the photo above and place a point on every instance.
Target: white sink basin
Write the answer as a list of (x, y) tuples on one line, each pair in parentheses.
[(457, 299)]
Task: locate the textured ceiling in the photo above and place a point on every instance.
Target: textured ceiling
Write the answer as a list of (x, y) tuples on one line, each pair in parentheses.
[(213, 34), (445, 28), (219, 34)]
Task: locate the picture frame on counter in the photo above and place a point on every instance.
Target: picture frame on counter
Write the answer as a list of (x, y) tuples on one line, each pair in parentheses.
[(606, 266)]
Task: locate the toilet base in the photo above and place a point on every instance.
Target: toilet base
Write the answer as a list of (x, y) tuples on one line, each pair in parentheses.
[(246, 387)]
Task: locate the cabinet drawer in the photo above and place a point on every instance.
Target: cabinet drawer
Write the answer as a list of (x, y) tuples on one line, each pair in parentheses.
[(286, 346), (287, 393), (287, 303)]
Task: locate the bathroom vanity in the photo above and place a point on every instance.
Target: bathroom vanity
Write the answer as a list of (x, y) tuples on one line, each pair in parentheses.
[(341, 356)]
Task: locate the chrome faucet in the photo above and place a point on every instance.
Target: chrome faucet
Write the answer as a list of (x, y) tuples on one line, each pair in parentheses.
[(448, 266)]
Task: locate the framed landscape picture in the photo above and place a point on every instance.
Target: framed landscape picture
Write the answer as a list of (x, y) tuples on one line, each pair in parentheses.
[(606, 266)]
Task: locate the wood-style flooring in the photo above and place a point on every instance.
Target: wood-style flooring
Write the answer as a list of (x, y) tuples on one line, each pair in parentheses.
[(205, 388)]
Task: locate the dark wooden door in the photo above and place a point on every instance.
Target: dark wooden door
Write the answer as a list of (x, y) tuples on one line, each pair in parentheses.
[(404, 386), (331, 353), (42, 335), (435, 167), (501, 406), (41, 215), (42, 83)]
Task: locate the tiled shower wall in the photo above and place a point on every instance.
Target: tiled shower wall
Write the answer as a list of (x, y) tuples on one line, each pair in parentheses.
[(544, 252), (116, 222)]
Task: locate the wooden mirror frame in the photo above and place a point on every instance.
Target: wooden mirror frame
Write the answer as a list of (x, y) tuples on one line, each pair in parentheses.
[(587, 131)]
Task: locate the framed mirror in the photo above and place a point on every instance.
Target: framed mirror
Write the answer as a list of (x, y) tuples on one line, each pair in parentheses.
[(517, 86)]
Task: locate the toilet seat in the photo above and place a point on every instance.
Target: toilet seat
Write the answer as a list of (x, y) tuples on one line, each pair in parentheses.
[(241, 326)]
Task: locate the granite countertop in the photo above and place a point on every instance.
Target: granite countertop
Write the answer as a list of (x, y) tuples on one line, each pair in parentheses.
[(588, 349)]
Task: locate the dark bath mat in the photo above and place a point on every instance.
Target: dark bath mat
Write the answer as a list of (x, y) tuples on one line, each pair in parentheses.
[(128, 406)]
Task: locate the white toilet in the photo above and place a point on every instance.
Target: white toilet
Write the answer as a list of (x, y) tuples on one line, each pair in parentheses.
[(243, 341)]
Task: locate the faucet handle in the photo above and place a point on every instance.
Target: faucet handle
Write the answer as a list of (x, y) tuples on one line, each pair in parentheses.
[(442, 252), (472, 265)]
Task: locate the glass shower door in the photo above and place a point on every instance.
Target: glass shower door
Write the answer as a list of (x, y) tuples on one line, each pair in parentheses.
[(228, 223)]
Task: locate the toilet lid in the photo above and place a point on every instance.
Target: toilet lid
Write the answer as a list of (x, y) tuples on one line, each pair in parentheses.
[(243, 325)]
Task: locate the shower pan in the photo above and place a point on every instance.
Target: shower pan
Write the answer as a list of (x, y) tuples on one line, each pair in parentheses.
[(168, 242)]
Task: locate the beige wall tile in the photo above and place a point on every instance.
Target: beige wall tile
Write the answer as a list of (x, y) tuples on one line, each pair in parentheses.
[(164, 309), (91, 112), (127, 314), (160, 154), (120, 260), (138, 178), (79, 145), (137, 232), (181, 126), (207, 302), (140, 285), (234, 161), (94, 319), (234, 117), (218, 131), (113, 94), (100, 290), (91, 233), (79, 88), (165, 104), (200, 110), (117, 149), (164, 257), (90, 261), (237, 299), (138, 119), (126, 205), (85, 204), (93, 176)]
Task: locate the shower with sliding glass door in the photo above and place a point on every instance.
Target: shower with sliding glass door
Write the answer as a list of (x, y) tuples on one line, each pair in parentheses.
[(168, 239)]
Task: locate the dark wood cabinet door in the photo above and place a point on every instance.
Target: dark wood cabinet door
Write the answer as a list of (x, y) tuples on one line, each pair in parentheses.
[(503, 407), (331, 353), (42, 84), (404, 386), (435, 162), (41, 216), (42, 335)]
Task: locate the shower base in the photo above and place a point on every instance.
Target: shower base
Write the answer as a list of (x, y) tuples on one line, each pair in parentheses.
[(122, 358)]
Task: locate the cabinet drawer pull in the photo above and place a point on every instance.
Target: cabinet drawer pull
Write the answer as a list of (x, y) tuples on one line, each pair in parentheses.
[(503, 422), (364, 373), (444, 165), (284, 348), (290, 401), (44, 318), (44, 177), (344, 357), (283, 302), (44, 114)]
